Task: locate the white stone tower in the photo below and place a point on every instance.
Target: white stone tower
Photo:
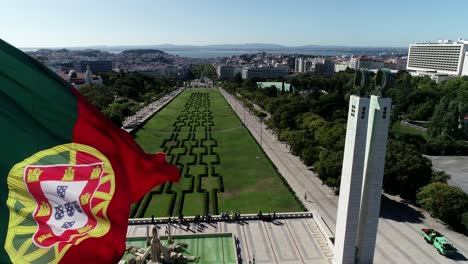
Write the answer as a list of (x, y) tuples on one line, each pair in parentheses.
[(362, 173), (377, 134), (351, 176)]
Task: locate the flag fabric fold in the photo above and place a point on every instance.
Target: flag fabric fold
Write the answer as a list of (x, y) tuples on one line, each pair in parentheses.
[(68, 175)]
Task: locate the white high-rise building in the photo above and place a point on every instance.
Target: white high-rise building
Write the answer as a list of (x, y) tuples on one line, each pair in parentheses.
[(298, 65), (363, 62), (226, 72), (442, 57), (302, 65), (465, 65), (341, 67), (266, 72)]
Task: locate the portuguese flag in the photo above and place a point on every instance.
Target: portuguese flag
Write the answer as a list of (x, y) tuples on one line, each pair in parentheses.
[(67, 175)]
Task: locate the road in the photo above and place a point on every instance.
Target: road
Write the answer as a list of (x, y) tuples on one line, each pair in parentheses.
[(455, 166), (398, 239)]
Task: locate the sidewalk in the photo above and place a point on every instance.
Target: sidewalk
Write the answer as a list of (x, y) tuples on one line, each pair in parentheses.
[(133, 122)]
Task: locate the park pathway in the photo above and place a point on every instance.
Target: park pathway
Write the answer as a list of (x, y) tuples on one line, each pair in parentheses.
[(132, 123)]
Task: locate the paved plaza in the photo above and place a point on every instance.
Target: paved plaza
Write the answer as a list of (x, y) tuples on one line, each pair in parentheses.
[(455, 166), (283, 241)]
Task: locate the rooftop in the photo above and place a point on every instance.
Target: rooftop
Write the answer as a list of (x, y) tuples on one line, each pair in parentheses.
[(445, 41), (278, 85)]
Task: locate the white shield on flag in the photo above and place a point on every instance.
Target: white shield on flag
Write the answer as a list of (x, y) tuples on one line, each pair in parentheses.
[(73, 219), (63, 195), (57, 199)]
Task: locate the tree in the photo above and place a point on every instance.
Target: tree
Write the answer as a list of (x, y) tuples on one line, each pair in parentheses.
[(116, 112), (296, 140), (98, 94), (464, 220), (238, 78), (403, 86), (446, 118), (440, 176), (422, 111), (331, 136), (329, 167), (207, 69), (310, 123), (310, 153), (271, 91), (328, 105), (125, 93), (283, 116), (450, 110), (349, 70), (445, 202), (406, 170)]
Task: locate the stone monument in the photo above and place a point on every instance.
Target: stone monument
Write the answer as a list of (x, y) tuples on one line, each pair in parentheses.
[(363, 166), (157, 252)]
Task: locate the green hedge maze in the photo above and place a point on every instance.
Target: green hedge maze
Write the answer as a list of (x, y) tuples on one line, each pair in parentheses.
[(193, 148)]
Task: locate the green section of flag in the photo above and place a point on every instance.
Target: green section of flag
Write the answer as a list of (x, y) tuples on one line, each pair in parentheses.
[(37, 112)]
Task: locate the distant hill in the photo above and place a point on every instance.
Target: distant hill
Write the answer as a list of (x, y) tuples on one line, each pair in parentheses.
[(143, 51)]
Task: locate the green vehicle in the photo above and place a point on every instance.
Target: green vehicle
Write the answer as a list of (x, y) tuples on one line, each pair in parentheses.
[(442, 244)]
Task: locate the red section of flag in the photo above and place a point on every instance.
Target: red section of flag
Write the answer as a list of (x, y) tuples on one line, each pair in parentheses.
[(136, 173), (143, 171)]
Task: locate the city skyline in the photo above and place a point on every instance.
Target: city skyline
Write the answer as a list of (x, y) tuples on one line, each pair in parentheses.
[(363, 23)]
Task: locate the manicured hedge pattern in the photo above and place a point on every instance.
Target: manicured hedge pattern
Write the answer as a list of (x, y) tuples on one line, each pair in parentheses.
[(191, 147)]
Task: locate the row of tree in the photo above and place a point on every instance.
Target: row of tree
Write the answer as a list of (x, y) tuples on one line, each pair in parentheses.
[(208, 70), (123, 94), (312, 120)]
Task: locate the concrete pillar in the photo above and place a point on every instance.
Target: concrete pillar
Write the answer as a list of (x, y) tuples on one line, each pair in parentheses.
[(377, 134), (351, 181)]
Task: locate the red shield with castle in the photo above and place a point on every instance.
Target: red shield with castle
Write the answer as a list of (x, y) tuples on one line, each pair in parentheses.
[(63, 195)]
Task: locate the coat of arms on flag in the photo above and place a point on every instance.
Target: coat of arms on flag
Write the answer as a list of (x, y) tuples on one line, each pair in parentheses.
[(63, 200), (71, 174)]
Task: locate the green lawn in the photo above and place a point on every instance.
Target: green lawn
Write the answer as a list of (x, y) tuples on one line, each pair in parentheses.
[(223, 169), (400, 128)]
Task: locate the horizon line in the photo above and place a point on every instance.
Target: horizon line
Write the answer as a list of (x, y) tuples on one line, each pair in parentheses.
[(206, 45)]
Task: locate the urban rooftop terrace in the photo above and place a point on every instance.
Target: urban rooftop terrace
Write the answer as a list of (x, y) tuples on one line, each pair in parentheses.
[(444, 41)]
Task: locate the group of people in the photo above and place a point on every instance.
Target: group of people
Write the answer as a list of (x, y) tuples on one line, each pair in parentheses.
[(234, 216), (224, 216), (266, 217), (197, 218)]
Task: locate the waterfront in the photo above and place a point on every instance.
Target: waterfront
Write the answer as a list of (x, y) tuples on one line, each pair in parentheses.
[(207, 53)]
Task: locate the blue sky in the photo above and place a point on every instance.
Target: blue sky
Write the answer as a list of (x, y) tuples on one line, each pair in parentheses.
[(53, 23)]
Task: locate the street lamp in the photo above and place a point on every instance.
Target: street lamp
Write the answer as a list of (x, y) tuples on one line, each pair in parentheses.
[(261, 132), (235, 103), (243, 104)]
